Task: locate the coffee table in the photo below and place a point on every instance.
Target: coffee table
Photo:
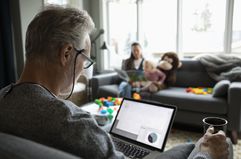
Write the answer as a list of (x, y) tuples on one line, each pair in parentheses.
[(93, 109)]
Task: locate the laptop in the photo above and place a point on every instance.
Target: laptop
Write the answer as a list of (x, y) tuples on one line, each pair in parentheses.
[(141, 128)]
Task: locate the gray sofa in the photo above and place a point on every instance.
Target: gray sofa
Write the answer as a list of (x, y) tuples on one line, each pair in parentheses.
[(13, 147), (192, 108)]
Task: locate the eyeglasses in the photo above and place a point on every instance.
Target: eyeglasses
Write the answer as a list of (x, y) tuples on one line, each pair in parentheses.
[(88, 62)]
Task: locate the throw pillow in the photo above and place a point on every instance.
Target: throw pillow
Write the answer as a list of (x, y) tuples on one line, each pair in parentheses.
[(181, 151), (221, 88)]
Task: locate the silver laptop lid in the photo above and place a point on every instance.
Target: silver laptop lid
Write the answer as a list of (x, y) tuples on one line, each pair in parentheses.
[(143, 122)]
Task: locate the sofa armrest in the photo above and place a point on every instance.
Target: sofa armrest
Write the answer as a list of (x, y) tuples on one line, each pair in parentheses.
[(103, 79), (234, 110)]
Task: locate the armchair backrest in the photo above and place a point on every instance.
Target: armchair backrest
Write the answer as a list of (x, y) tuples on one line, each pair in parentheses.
[(13, 147)]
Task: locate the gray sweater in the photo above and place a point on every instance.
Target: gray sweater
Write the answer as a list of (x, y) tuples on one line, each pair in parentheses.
[(32, 112)]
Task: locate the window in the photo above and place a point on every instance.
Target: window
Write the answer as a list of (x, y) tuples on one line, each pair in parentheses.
[(159, 30), (236, 36), (122, 24), (189, 27), (59, 2), (203, 25), (72, 3)]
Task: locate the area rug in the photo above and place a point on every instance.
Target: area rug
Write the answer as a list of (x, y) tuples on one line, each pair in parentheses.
[(180, 136)]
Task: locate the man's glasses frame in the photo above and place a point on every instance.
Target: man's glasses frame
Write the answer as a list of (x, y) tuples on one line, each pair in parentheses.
[(89, 61)]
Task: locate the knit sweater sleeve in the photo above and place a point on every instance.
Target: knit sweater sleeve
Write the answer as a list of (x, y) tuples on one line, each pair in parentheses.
[(82, 136)]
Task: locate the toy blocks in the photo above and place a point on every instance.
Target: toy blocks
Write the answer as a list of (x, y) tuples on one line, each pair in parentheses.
[(199, 90), (107, 106)]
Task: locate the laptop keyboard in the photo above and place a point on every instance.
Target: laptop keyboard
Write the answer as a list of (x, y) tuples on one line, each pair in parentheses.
[(129, 150)]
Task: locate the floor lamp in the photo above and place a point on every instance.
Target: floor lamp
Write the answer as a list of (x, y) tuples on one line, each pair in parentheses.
[(93, 43), (104, 47)]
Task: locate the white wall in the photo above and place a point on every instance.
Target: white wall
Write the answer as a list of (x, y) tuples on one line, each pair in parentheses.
[(28, 9)]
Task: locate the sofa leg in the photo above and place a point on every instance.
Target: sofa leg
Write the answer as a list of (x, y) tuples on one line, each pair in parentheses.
[(234, 136)]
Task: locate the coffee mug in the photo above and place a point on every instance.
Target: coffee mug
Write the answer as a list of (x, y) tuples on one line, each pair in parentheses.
[(216, 122), (101, 119)]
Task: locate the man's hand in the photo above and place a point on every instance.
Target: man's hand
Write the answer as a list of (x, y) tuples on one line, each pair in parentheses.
[(215, 144)]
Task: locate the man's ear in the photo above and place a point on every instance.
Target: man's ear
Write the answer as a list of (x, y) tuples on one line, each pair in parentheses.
[(66, 54)]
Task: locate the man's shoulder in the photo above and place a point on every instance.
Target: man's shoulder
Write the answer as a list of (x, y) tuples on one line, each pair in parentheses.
[(36, 98), (5, 90), (32, 96)]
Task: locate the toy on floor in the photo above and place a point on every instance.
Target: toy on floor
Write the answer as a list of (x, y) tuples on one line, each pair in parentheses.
[(107, 106), (199, 90), (109, 101)]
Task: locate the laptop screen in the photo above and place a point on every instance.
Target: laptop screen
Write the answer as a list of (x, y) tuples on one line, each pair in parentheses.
[(143, 121)]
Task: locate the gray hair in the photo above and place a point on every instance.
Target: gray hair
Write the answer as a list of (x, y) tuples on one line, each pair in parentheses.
[(55, 26)]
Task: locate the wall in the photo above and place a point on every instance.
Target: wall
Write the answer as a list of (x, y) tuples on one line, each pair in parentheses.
[(28, 9), (95, 11)]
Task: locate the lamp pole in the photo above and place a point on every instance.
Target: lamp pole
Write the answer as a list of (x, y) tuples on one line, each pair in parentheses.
[(93, 42), (104, 47)]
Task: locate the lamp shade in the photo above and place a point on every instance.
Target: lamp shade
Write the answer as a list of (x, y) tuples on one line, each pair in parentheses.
[(104, 46)]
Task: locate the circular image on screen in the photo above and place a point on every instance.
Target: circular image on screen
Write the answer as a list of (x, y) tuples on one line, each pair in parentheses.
[(152, 137)]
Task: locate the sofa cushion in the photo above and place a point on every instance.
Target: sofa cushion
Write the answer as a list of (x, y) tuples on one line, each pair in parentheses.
[(193, 74), (13, 147), (191, 102), (181, 151), (108, 90), (221, 88)]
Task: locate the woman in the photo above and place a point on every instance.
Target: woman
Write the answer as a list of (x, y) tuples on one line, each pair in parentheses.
[(133, 63)]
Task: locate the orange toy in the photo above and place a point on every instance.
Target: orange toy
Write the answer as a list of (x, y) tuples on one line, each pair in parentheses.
[(137, 96)]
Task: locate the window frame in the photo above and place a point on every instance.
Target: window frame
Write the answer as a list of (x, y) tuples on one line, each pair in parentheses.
[(228, 29)]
